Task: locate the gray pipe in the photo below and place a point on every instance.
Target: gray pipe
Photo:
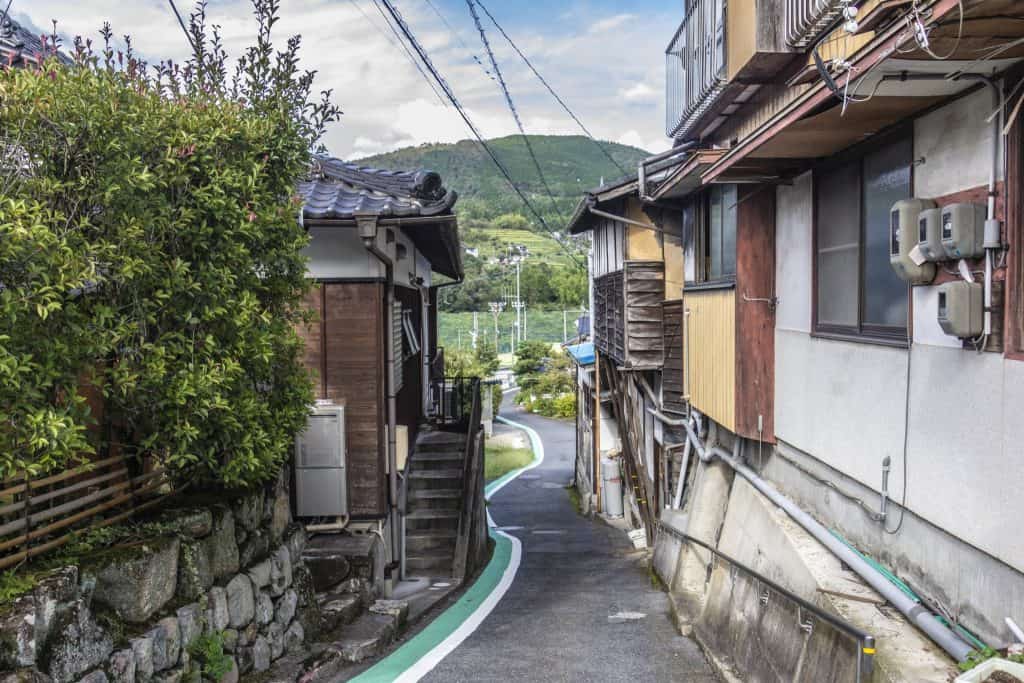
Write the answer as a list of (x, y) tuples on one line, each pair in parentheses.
[(911, 609)]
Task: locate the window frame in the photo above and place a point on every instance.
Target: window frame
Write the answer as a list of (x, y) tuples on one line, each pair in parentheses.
[(696, 241), (862, 332)]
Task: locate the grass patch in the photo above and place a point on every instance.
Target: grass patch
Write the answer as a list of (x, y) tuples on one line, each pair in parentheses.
[(574, 498), (500, 460)]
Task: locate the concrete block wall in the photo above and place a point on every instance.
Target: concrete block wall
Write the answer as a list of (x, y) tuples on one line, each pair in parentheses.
[(129, 614)]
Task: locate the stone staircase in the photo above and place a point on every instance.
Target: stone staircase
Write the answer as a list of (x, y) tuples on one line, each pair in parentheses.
[(434, 503)]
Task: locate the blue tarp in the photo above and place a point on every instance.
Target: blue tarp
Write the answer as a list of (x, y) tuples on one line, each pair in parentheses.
[(583, 354)]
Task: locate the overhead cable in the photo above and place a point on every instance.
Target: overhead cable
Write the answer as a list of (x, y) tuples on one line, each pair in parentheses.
[(551, 90), (512, 107), (398, 42), (450, 94)]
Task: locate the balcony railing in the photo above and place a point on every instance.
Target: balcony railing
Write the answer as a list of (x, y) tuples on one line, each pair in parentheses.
[(807, 20), (694, 65)]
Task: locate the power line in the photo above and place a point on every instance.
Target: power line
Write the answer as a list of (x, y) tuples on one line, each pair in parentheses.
[(551, 89), (397, 41), (458, 36), (512, 107), (425, 58)]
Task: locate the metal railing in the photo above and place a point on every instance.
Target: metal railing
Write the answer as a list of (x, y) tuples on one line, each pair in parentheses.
[(437, 364), (454, 400), (694, 65), (865, 641), (807, 20)]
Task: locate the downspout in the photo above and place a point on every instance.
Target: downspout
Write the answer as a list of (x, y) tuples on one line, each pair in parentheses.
[(367, 224), (911, 609)]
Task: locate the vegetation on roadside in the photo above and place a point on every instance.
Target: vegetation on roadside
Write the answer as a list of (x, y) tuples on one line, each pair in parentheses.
[(499, 460), (150, 256), (482, 363), (545, 377), (208, 651), (978, 657)]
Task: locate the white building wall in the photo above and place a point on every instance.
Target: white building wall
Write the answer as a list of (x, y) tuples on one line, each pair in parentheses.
[(338, 253), (843, 402)]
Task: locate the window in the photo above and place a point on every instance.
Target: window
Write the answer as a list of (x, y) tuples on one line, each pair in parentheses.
[(709, 236), (857, 292)]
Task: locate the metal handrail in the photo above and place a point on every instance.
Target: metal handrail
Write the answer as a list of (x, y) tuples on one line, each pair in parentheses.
[(694, 65), (807, 20), (865, 641)]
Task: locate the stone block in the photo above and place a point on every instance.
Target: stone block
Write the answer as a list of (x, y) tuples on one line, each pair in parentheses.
[(52, 589), (241, 601), (232, 675), (327, 570), (230, 639), (135, 583), (254, 548), (98, 676), (170, 676), (264, 608), (18, 645), (195, 575), (398, 610), (247, 636), (286, 606), (221, 545), (77, 643), (190, 624), (295, 538), (218, 618), (166, 637), (280, 508), (280, 571), (142, 651), (275, 636), (248, 510), (24, 675), (121, 667), (259, 574), (193, 522), (261, 654), (339, 610), (294, 636), (302, 582)]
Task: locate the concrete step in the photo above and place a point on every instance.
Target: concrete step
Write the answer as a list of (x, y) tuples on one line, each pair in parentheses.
[(430, 519), (420, 480), (435, 539), (364, 638), (444, 499), (437, 461), (339, 610), (440, 441), (433, 561)]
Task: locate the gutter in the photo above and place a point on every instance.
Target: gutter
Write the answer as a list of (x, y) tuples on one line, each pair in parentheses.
[(368, 228)]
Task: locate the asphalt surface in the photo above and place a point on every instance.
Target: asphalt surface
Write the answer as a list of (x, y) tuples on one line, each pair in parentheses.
[(582, 606)]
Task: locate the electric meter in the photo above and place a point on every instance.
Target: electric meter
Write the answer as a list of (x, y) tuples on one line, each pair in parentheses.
[(963, 230), (929, 235), (960, 309), (903, 231)]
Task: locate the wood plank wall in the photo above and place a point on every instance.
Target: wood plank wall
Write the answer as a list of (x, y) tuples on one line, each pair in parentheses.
[(346, 350), (672, 372), (644, 294), (711, 338), (755, 320), (608, 318)]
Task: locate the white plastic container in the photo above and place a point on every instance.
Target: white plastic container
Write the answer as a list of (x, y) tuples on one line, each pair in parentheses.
[(611, 488), (979, 673)]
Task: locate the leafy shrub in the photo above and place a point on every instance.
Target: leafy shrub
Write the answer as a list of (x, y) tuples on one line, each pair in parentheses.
[(479, 364), (208, 650), (149, 252)]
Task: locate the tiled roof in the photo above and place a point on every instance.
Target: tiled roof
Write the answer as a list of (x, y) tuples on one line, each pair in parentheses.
[(19, 45), (339, 190)]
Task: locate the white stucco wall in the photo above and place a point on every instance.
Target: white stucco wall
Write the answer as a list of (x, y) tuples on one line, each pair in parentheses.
[(339, 253), (843, 402)]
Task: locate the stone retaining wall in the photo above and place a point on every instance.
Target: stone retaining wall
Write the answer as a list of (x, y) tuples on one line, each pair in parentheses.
[(129, 614)]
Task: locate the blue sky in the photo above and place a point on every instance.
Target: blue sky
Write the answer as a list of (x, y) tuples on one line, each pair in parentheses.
[(605, 58)]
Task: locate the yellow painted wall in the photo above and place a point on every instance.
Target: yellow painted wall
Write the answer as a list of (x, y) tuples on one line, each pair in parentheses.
[(642, 244), (711, 337), (740, 35)]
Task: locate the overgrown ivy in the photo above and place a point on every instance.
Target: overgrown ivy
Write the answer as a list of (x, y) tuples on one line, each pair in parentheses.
[(150, 254)]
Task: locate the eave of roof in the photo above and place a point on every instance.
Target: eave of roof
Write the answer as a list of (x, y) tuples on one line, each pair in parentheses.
[(578, 222)]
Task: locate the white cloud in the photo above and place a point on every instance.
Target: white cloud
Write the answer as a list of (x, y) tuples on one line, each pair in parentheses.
[(605, 78)]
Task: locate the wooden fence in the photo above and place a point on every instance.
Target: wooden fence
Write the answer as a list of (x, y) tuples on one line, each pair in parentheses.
[(38, 515)]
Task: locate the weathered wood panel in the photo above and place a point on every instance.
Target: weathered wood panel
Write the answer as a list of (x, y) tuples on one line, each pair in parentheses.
[(354, 375), (608, 316), (644, 295), (711, 340), (672, 394), (313, 336), (755, 317)]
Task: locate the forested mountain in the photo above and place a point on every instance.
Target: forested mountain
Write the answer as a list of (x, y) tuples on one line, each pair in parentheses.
[(492, 219)]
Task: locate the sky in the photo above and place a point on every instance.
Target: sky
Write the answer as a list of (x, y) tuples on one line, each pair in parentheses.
[(605, 59)]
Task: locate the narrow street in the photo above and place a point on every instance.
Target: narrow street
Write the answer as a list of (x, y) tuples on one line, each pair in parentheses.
[(582, 606)]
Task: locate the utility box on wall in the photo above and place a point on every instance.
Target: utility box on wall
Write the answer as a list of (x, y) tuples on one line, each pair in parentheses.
[(321, 484), (903, 234), (960, 309), (963, 230)]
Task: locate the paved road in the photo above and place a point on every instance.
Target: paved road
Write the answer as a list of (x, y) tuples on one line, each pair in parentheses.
[(554, 623)]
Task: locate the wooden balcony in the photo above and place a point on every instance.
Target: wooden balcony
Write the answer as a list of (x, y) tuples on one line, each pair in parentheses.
[(628, 314)]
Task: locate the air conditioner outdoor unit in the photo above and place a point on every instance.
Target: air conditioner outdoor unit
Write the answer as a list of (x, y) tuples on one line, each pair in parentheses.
[(321, 484)]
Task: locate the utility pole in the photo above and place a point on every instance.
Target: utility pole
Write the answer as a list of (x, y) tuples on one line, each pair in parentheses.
[(519, 304), (476, 329), (496, 308)]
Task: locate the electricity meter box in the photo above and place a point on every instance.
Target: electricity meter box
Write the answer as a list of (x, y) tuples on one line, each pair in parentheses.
[(929, 235), (960, 309), (321, 482), (963, 230), (903, 231)]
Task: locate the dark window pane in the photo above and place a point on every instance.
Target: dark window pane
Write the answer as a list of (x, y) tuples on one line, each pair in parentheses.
[(886, 181), (715, 234), (838, 232), (690, 242)]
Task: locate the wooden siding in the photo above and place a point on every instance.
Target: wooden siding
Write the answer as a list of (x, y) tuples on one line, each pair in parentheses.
[(608, 321), (711, 341), (644, 294), (345, 349), (755, 314), (672, 393)]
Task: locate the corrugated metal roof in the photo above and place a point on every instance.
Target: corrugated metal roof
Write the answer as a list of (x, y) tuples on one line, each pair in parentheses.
[(340, 190)]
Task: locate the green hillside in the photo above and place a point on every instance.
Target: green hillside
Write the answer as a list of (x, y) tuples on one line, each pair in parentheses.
[(572, 164)]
